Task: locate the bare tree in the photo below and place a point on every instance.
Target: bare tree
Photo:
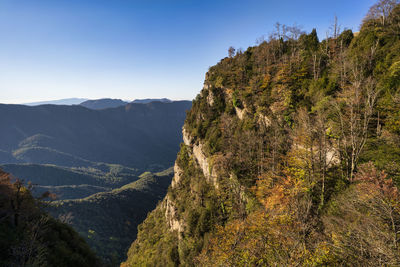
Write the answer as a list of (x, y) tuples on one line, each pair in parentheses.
[(381, 10), (231, 52), (355, 107), (313, 147), (335, 28)]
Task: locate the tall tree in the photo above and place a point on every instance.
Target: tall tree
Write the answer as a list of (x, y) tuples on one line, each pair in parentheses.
[(355, 106)]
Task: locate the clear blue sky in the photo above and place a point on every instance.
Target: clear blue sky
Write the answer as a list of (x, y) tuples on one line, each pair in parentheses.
[(52, 49)]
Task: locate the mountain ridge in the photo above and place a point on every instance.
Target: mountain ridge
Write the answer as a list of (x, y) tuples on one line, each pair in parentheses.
[(77, 131), (65, 101), (103, 103)]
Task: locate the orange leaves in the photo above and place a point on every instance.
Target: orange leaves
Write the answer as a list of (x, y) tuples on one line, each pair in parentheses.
[(376, 182), (363, 222), (278, 198), (270, 235)]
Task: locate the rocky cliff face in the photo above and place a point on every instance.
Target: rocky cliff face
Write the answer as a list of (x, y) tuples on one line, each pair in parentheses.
[(196, 199)]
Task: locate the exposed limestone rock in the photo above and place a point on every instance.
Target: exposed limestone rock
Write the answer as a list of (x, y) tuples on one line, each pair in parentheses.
[(178, 172), (331, 157), (210, 98), (240, 112), (264, 120), (201, 158), (171, 216), (204, 164), (187, 139)]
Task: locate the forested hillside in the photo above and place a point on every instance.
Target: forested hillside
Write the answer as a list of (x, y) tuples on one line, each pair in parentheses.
[(30, 237), (142, 136), (91, 161), (291, 156), (72, 183), (109, 220)]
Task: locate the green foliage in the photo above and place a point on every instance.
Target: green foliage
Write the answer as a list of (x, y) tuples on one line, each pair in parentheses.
[(346, 37), (155, 244), (30, 237), (310, 41)]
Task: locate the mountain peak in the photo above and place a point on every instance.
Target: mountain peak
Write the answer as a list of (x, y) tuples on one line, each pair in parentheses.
[(103, 103)]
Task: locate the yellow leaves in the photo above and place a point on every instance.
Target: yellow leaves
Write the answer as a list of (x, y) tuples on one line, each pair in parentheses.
[(320, 256), (266, 234), (266, 81), (282, 76), (298, 159), (395, 70), (219, 82), (297, 172)]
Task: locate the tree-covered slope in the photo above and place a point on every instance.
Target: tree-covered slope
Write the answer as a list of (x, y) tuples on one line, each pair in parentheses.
[(71, 183), (110, 175), (109, 220), (291, 156), (30, 237)]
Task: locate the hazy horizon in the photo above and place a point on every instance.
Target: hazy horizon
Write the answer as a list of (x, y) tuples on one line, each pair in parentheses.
[(77, 101)]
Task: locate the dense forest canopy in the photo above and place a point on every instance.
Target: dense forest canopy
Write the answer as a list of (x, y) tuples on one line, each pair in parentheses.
[(291, 156)]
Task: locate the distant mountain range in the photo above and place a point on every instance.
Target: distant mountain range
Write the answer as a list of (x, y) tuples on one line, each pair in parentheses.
[(67, 101), (113, 103), (102, 103), (141, 136)]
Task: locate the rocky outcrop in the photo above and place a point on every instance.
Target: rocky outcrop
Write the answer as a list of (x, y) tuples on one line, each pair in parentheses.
[(331, 155), (173, 222), (240, 112), (206, 167), (187, 139), (201, 158), (210, 98), (197, 151), (178, 172), (264, 120)]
